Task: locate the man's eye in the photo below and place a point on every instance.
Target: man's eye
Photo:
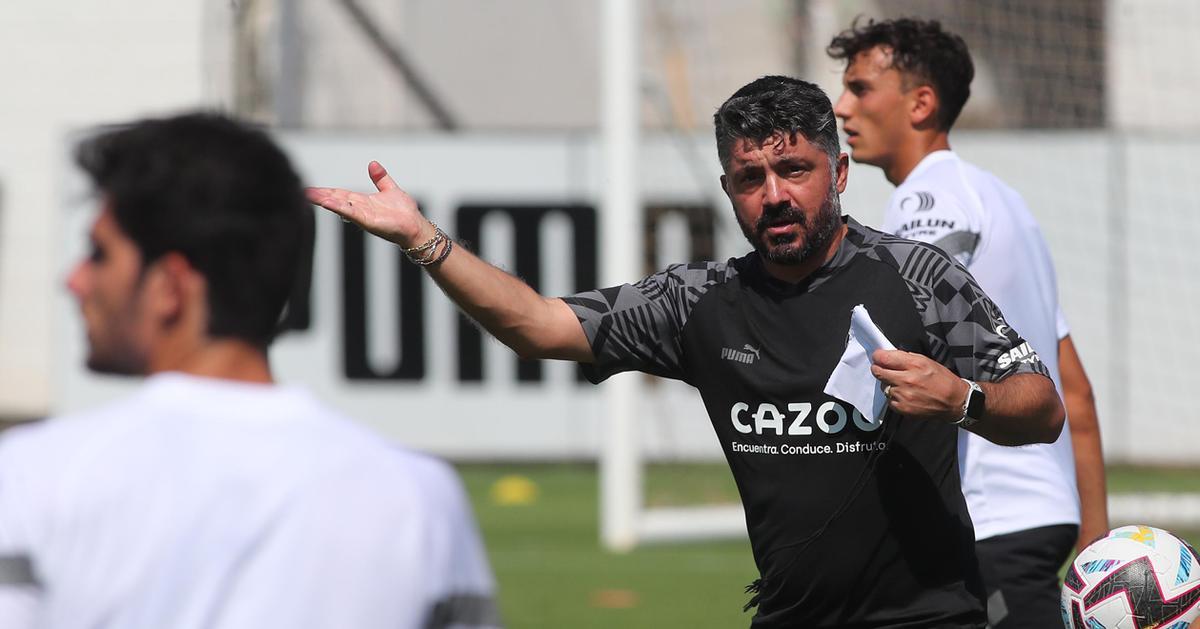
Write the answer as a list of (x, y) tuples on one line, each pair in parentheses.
[(96, 254)]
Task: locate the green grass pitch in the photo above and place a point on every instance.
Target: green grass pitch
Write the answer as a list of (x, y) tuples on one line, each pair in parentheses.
[(552, 572)]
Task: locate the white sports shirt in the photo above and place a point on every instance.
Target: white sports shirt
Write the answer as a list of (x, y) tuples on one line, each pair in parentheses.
[(985, 224), (208, 503)]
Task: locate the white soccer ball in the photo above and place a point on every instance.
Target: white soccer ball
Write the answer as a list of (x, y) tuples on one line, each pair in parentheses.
[(1136, 577)]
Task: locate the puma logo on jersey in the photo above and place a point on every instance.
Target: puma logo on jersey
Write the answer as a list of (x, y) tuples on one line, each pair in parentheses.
[(1022, 353), (917, 202), (748, 354)]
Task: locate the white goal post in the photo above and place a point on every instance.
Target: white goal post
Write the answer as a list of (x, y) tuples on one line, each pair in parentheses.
[(624, 520)]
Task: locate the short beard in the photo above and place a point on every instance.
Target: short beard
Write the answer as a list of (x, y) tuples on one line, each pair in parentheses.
[(123, 361), (815, 236)]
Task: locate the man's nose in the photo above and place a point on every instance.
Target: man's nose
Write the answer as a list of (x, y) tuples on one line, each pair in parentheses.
[(77, 279), (841, 109), (773, 193)]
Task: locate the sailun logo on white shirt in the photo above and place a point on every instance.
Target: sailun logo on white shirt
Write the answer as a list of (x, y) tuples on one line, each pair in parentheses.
[(747, 354), (917, 202)]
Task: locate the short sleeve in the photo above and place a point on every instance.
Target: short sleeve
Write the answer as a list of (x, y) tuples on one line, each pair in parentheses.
[(1060, 324), (969, 334), (935, 217), (463, 588), (19, 589), (638, 327), (17, 499), (386, 543)]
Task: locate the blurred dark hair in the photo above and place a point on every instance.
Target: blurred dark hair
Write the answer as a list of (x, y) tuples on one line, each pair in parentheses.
[(776, 105), (921, 50), (223, 195)]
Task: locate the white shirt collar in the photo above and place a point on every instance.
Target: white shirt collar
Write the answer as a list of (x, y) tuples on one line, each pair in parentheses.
[(929, 160)]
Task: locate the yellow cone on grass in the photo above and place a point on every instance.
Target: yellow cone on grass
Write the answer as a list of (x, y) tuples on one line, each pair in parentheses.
[(513, 490)]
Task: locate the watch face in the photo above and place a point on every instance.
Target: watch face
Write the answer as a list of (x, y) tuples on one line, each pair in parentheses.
[(975, 402)]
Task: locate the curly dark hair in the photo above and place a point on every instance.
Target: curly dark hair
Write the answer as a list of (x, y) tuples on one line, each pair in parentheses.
[(776, 105), (921, 51)]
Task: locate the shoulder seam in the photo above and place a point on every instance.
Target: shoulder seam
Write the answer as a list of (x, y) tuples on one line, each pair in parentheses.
[(924, 264)]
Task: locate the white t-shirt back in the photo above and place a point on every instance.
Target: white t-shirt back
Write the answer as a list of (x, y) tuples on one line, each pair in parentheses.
[(208, 503), (986, 225)]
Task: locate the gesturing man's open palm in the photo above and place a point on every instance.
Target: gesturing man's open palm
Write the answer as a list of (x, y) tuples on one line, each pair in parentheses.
[(390, 213)]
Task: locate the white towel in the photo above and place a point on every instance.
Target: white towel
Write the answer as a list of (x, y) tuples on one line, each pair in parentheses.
[(851, 381)]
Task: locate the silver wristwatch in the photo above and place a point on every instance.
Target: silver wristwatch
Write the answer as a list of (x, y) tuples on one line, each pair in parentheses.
[(973, 406)]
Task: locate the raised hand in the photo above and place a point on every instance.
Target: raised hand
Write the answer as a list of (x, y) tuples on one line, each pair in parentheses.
[(918, 386), (389, 213)]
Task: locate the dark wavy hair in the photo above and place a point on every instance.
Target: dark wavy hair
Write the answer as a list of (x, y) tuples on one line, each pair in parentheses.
[(922, 52), (773, 105), (223, 195)]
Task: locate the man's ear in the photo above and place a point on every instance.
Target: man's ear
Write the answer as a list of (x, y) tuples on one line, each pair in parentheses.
[(923, 107), (725, 184), (843, 172), (172, 286)]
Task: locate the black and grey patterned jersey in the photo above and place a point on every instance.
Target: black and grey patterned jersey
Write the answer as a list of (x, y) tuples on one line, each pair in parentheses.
[(852, 522)]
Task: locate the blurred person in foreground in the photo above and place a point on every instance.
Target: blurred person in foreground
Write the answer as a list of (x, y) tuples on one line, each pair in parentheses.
[(213, 497), (853, 522), (906, 81)]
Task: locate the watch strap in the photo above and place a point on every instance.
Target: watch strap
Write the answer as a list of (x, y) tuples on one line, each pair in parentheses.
[(972, 405)]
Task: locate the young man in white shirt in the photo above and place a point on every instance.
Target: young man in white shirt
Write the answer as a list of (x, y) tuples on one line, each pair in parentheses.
[(905, 83), (213, 497)]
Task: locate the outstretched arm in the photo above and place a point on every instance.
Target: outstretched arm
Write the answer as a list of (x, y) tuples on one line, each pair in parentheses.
[(1085, 442), (1021, 409), (532, 325)]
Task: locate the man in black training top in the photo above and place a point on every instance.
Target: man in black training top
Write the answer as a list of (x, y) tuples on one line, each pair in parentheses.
[(853, 523)]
